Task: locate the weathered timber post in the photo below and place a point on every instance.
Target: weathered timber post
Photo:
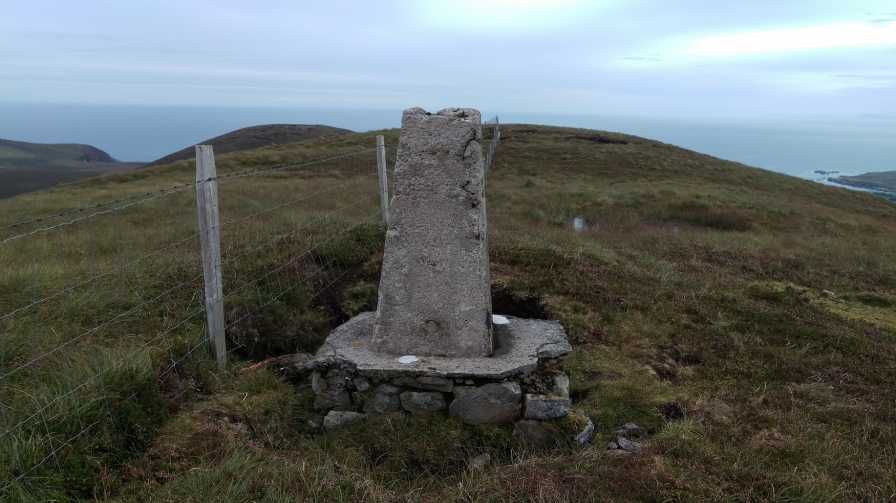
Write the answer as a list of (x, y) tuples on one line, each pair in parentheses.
[(210, 236), (384, 182), (493, 144)]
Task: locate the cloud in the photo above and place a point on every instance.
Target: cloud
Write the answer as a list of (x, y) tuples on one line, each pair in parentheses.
[(505, 16), (654, 59), (844, 35)]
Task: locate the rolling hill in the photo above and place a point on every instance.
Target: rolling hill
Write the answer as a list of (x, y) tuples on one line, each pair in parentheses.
[(25, 152), (25, 166), (255, 137), (745, 319)]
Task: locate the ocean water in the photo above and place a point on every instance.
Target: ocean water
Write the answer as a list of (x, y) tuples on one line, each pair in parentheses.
[(144, 133)]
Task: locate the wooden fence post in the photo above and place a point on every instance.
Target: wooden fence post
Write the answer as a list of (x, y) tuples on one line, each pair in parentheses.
[(384, 184), (210, 236), (490, 151)]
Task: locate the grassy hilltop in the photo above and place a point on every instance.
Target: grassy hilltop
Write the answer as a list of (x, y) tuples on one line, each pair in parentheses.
[(254, 137), (746, 319)]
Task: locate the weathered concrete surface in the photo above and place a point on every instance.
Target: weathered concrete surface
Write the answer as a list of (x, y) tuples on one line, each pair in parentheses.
[(519, 346), (434, 297)]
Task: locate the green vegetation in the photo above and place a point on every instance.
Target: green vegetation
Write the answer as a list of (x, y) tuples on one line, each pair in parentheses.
[(744, 318), (255, 137)]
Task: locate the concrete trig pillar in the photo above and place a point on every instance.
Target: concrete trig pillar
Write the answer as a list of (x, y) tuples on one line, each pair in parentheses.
[(434, 296)]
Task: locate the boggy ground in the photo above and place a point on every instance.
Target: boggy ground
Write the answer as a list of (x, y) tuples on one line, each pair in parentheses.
[(746, 319)]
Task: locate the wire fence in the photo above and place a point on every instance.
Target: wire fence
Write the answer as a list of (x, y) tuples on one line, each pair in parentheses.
[(141, 308)]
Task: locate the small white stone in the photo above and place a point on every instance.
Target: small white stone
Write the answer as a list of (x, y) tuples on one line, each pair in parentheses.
[(497, 319), (408, 359)]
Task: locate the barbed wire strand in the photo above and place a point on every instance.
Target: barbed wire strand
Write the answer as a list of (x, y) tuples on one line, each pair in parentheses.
[(97, 328), (70, 440), (50, 228), (300, 164), (297, 257), (284, 205), (233, 323), (257, 310), (103, 372), (175, 244), (54, 452), (151, 196), (273, 271), (104, 204), (243, 253), (93, 279), (84, 406), (165, 372)]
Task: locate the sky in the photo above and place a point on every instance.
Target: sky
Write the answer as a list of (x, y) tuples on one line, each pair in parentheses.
[(795, 86), (694, 59)]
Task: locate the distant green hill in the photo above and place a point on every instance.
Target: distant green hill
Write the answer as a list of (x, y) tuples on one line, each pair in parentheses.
[(882, 183), (25, 167), (883, 180), (255, 137)]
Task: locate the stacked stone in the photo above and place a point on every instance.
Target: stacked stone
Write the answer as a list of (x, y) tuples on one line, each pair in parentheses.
[(542, 395)]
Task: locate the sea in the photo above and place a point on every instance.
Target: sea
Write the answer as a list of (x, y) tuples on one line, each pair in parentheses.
[(807, 147)]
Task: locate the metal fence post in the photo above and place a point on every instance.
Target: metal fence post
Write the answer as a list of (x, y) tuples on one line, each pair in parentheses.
[(210, 236), (384, 184)]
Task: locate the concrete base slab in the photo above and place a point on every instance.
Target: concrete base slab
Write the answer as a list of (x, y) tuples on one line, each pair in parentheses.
[(519, 345)]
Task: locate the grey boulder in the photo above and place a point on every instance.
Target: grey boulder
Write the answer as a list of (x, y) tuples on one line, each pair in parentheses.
[(422, 402), (384, 400), (339, 418), (546, 407), (493, 403)]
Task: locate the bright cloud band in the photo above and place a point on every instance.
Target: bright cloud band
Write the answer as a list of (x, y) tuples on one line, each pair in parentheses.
[(785, 40)]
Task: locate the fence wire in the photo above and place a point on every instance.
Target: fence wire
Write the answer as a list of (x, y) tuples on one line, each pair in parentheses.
[(75, 216), (319, 270), (122, 204)]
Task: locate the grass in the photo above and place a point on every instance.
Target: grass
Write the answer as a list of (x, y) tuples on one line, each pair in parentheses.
[(744, 318), (254, 137)]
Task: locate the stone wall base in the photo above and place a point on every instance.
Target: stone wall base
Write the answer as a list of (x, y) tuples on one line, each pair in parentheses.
[(522, 383)]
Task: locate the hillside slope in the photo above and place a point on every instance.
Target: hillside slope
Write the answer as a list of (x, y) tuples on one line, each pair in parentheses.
[(255, 137), (20, 151), (25, 166), (745, 319)]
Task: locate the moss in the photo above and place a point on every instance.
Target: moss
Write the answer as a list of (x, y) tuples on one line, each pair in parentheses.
[(358, 298), (410, 447), (581, 322)]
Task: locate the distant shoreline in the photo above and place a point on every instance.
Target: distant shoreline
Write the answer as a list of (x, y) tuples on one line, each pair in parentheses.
[(865, 186)]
